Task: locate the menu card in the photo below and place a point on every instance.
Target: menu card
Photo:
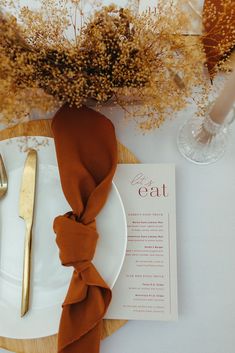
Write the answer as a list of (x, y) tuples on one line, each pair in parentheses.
[(146, 288)]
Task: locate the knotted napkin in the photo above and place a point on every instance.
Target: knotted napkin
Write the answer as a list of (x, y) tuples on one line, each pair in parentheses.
[(86, 150)]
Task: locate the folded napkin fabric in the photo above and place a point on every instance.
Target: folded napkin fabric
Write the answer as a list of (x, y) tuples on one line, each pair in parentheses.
[(86, 150)]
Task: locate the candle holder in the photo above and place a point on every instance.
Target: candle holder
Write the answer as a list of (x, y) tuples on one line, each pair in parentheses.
[(202, 140)]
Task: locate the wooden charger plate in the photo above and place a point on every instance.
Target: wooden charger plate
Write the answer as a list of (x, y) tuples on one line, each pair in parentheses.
[(49, 344)]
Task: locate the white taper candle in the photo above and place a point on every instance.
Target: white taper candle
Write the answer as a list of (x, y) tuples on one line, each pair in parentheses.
[(225, 101)]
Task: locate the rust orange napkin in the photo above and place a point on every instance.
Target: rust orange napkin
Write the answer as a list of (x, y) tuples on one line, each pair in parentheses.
[(86, 150)]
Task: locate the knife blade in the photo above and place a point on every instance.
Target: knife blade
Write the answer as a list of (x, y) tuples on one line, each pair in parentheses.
[(26, 211)]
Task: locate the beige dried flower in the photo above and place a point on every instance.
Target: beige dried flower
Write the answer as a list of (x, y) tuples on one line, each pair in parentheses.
[(116, 55)]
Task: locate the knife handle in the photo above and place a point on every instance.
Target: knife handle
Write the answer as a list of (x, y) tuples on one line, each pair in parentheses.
[(26, 271)]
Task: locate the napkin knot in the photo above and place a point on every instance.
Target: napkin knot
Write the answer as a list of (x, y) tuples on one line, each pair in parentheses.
[(87, 292), (76, 241)]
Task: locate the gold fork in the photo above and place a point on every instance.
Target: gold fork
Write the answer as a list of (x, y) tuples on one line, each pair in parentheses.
[(3, 178)]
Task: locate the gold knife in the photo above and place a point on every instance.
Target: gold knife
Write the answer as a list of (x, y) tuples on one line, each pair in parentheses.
[(26, 210)]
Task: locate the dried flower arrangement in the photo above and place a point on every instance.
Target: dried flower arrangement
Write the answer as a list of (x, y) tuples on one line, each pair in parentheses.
[(117, 55)]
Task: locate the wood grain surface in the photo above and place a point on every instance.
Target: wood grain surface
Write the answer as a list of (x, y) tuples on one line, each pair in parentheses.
[(49, 344)]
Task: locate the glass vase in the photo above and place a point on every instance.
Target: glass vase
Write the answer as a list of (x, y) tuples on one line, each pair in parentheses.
[(203, 141)]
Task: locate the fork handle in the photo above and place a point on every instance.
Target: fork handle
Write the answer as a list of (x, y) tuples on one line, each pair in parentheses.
[(26, 271)]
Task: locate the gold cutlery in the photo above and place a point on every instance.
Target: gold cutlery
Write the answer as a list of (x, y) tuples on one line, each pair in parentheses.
[(26, 211), (3, 178)]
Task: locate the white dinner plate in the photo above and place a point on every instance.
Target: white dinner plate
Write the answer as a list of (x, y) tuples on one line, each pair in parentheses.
[(49, 279)]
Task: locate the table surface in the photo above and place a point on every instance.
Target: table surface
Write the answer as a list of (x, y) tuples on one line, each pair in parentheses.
[(206, 246)]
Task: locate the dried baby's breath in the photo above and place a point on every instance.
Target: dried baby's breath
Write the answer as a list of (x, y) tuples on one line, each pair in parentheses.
[(115, 55)]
